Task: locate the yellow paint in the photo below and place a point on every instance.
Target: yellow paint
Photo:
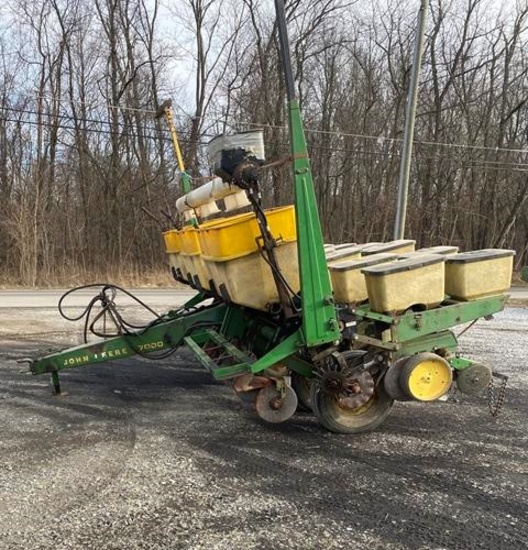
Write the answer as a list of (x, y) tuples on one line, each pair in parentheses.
[(172, 241), (429, 380), (238, 236)]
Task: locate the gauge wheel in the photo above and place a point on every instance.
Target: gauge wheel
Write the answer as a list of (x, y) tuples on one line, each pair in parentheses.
[(332, 414), (302, 386), (275, 406)]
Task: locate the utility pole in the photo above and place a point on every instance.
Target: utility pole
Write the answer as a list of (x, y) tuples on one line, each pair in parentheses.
[(408, 136)]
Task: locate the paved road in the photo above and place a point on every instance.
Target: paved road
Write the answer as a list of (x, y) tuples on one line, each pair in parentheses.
[(151, 455), (49, 298), (157, 298), (155, 455)]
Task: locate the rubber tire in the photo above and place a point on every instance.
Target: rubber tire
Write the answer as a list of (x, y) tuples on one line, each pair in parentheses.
[(302, 387), (391, 381), (326, 410)]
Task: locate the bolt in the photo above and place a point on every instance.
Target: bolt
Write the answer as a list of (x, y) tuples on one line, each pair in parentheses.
[(275, 403)]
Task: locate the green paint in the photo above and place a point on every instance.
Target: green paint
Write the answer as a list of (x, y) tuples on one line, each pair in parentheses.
[(460, 363), (444, 340), (412, 325), (159, 337), (287, 347), (319, 323), (296, 364)]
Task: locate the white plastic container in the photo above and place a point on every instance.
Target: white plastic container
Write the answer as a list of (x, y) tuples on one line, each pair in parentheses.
[(248, 280), (479, 273), (397, 286), (347, 280), (251, 141)]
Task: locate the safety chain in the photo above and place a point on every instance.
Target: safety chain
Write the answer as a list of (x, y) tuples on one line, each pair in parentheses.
[(496, 396)]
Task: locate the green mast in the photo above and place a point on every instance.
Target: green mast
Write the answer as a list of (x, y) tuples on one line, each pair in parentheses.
[(319, 323)]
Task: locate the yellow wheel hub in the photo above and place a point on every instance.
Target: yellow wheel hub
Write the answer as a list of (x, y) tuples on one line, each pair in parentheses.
[(426, 377)]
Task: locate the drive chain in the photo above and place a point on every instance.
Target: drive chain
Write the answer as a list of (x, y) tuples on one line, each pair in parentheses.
[(496, 396)]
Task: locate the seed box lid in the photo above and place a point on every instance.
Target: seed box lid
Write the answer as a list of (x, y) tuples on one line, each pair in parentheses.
[(374, 248), (479, 255), (374, 259), (407, 264), (335, 255)]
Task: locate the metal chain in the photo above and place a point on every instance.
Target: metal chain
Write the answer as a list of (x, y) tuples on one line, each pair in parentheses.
[(496, 396)]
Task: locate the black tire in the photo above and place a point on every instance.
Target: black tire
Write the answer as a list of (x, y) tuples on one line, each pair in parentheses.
[(302, 387), (338, 419)]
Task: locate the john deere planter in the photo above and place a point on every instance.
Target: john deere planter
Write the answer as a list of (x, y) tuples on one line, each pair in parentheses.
[(290, 322)]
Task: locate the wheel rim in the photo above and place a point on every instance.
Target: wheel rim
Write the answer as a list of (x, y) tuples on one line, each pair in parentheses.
[(426, 377), (274, 407), (331, 413)]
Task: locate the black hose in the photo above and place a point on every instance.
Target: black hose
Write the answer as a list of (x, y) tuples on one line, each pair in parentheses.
[(105, 299)]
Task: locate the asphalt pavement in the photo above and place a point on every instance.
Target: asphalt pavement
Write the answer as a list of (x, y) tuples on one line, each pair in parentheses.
[(48, 298), (156, 455)]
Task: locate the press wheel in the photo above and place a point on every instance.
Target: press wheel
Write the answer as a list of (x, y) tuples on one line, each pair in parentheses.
[(274, 406), (332, 413), (474, 379), (301, 386), (426, 377)]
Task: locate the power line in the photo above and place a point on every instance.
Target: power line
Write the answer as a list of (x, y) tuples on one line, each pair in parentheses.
[(107, 105), (76, 119), (494, 164), (307, 130)]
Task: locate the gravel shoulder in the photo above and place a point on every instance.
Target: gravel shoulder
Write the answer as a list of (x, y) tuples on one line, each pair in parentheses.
[(157, 455)]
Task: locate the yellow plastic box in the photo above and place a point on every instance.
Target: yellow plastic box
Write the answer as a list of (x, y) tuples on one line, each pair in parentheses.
[(238, 236), (172, 241), (397, 286), (192, 265), (248, 281), (189, 257), (189, 242), (401, 245), (219, 232), (347, 280), (479, 273)]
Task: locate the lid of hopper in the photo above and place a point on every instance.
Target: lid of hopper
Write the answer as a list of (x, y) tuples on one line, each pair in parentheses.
[(334, 255), (374, 259), (480, 255), (374, 248), (440, 249), (407, 264)]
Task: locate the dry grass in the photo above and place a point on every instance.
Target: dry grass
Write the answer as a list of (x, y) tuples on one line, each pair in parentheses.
[(517, 281), (160, 277), (132, 278)]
